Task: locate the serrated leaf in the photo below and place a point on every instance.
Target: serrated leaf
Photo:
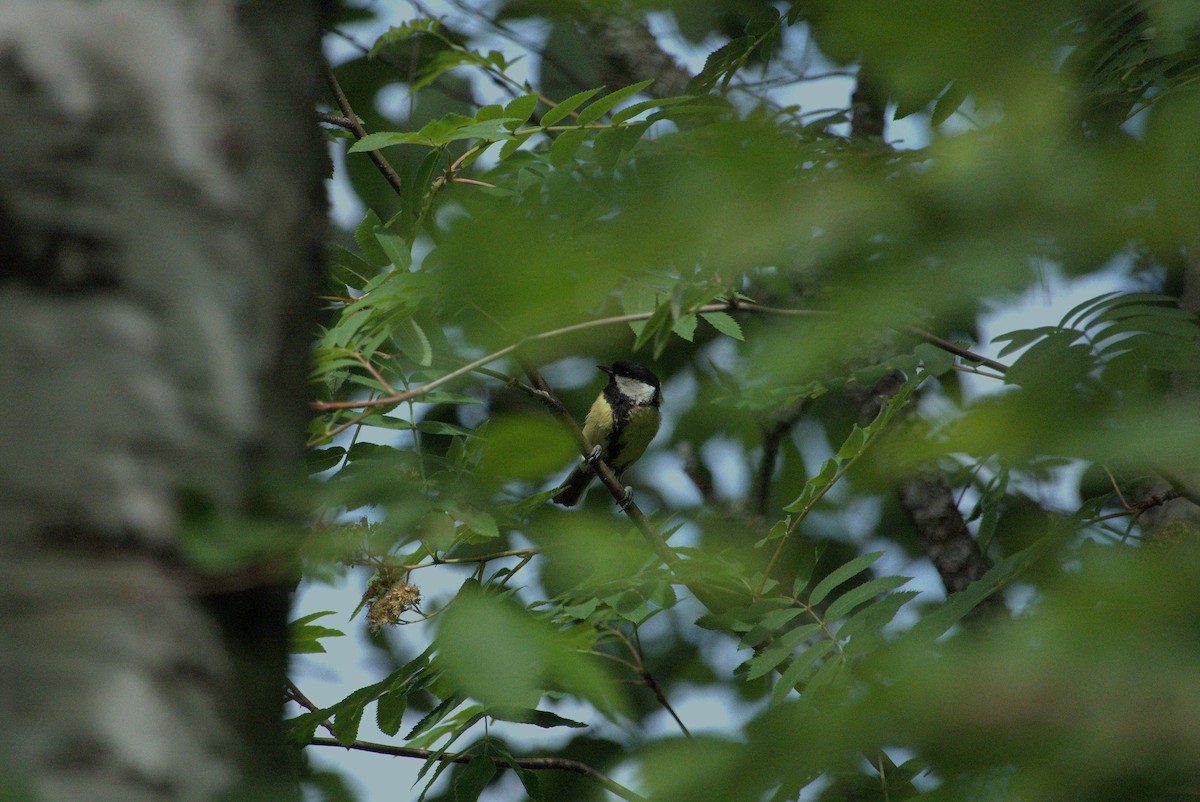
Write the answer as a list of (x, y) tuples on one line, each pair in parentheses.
[(529, 779), (633, 110), (863, 593), (364, 235), (346, 722), (471, 781), (304, 636), (780, 650), (656, 323), (567, 106), (434, 716), (841, 574), (510, 147), (410, 338), (799, 670), (491, 111), (685, 327), (724, 324), (394, 247), (382, 139), (519, 110), (565, 146), (597, 109), (390, 709), (300, 730)]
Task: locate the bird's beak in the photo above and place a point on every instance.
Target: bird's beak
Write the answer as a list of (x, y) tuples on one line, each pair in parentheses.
[(606, 368)]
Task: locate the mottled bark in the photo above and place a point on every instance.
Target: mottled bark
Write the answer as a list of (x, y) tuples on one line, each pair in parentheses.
[(625, 51), (928, 501), (160, 217), (926, 496)]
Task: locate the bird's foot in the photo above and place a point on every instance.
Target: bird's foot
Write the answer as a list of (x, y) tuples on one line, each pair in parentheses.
[(592, 455), (626, 499)]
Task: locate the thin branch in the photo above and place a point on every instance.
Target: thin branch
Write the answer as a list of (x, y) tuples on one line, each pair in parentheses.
[(1180, 487), (450, 90), (773, 435), (1136, 508), (344, 104), (950, 347), (433, 560), (521, 41), (730, 306), (366, 363), (530, 763), (334, 119), (335, 431), (654, 687)]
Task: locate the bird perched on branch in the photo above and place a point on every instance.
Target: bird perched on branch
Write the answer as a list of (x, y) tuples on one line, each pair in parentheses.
[(622, 421)]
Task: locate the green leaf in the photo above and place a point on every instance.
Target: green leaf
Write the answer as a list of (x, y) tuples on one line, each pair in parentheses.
[(800, 669), (854, 444), (633, 110), (601, 106), (519, 110), (780, 650), (389, 711), (564, 147), (300, 730), (724, 324), (394, 247), (538, 718), (349, 268), (383, 139), (410, 338), (441, 427), (529, 779), (685, 327), (936, 361), (510, 147), (1083, 308), (304, 636), (471, 781), (364, 235), (492, 111), (863, 593), (347, 716), (659, 321), (523, 655), (840, 575), (949, 102), (481, 523), (567, 106), (431, 719), (1019, 339), (322, 459)]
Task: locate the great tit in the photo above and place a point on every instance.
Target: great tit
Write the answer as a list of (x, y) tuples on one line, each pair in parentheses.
[(622, 421)]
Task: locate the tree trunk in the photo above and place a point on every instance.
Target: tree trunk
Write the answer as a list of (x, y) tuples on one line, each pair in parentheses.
[(160, 232)]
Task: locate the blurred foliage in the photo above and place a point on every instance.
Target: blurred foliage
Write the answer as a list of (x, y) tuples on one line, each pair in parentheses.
[(810, 300)]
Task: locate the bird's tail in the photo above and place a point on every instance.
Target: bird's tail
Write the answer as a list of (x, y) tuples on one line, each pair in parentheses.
[(575, 486)]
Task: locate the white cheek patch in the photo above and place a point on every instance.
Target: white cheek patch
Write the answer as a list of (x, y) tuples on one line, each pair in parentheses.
[(639, 391)]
